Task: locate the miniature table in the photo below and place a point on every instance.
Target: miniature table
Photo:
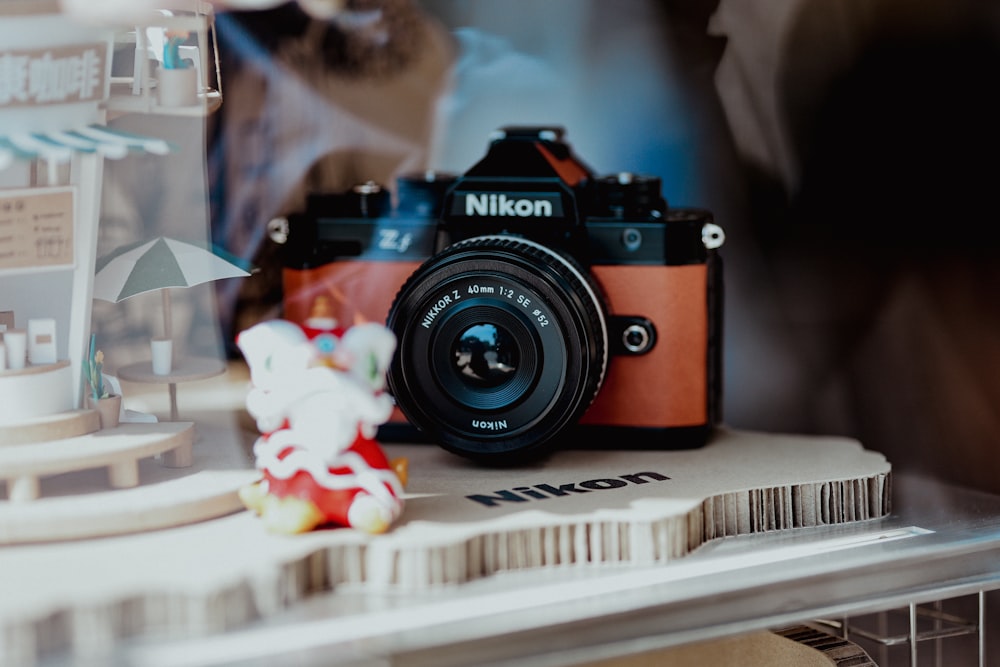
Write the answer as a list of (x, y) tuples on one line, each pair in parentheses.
[(184, 370)]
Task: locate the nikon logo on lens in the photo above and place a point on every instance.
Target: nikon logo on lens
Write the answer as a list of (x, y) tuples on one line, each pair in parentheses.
[(493, 204)]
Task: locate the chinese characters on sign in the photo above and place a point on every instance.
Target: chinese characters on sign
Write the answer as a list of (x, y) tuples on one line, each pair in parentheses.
[(52, 76), (36, 228)]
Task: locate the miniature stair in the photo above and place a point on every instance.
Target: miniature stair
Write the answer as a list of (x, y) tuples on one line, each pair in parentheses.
[(119, 449), (50, 427), (189, 499), (136, 493)]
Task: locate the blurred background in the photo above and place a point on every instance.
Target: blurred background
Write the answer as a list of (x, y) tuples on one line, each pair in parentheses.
[(847, 147)]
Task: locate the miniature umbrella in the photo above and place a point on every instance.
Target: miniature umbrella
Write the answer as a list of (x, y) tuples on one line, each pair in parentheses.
[(158, 264)]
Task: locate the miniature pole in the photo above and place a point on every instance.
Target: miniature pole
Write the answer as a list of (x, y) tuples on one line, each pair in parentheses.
[(167, 324)]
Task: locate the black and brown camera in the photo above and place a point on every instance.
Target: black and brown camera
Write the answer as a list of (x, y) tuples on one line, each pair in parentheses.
[(535, 304)]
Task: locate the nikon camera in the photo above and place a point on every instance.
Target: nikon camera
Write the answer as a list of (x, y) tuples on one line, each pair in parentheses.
[(535, 304)]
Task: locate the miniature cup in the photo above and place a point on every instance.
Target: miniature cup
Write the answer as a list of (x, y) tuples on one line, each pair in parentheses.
[(41, 341), (177, 87), (16, 342), (108, 409), (163, 352)]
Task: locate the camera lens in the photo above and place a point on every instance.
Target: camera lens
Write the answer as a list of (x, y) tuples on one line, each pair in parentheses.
[(502, 343)]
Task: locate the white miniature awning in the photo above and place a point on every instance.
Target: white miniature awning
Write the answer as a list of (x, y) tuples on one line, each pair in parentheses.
[(59, 145)]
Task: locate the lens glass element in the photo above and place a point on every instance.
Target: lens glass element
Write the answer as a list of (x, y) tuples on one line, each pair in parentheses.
[(482, 353), (485, 356)]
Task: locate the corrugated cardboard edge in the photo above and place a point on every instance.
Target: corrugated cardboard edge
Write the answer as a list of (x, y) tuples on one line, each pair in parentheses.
[(287, 570), (603, 540)]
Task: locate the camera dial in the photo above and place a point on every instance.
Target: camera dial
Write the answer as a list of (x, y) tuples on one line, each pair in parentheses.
[(423, 194), (370, 199), (628, 195), (503, 342)]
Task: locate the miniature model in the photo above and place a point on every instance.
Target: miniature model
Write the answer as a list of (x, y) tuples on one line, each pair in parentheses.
[(56, 100), (99, 393), (317, 398)]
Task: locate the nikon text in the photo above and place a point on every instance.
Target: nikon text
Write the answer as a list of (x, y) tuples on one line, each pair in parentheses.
[(501, 205), (523, 494)]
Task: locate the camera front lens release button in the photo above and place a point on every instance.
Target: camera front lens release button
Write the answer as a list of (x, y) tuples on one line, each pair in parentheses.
[(636, 339), (632, 335)]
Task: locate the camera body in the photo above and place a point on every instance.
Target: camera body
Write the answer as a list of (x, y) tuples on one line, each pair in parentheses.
[(535, 304)]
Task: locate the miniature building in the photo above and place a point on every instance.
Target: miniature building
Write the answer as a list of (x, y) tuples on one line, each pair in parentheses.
[(55, 100)]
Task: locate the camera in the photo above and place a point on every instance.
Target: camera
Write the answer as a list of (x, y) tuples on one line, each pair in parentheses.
[(535, 303)]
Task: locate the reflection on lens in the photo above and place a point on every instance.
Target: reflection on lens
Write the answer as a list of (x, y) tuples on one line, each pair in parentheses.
[(485, 356)]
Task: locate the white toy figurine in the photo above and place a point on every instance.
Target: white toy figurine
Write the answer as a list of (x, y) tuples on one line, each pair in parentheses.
[(317, 396)]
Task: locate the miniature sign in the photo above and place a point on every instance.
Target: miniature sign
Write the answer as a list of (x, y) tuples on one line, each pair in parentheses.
[(36, 228), (52, 76)]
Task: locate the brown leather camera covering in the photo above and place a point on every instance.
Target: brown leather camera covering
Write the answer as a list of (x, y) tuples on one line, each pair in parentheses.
[(359, 291), (665, 387), (668, 386)]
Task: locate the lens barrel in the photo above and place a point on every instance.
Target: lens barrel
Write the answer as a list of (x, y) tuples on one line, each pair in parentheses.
[(502, 343)]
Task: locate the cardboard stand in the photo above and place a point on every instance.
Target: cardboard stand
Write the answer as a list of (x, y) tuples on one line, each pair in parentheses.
[(635, 507), (461, 523)]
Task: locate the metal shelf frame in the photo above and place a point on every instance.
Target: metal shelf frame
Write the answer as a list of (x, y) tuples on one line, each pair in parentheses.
[(940, 543)]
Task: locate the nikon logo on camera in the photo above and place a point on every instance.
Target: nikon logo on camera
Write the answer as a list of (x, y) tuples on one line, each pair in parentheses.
[(517, 205)]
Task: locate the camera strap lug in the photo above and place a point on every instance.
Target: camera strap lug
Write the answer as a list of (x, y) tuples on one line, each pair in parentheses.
[(278, 229), (712, 235)]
